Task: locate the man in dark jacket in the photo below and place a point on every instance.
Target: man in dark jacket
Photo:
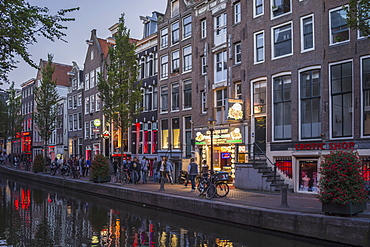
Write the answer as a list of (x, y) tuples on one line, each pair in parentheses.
[(134, 170), (193, 172)]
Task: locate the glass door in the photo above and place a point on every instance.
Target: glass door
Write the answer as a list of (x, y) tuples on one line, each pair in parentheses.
[(307, 178)]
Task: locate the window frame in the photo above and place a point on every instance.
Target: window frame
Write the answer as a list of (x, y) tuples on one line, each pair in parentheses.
[(365, 92), (187, 33), (203, 29), (303, 35), (187, 94), (164, 67), (164, 38), (255, 7), (175, 69), (237, 13), (237, 53), (187, 58), (175, 32), (256, 48), (273, 43), (175, 97), (331, 39)]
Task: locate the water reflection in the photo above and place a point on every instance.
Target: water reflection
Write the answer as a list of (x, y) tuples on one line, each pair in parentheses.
[(34, 215)]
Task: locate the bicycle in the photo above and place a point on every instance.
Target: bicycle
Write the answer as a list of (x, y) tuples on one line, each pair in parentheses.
[(122, 176), (213, 185), (65, 171)]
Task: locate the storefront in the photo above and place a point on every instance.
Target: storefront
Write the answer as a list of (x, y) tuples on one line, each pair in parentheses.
[(226, 141), (300, 165)]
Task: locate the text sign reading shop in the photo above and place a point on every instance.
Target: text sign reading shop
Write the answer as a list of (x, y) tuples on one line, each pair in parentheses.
[(325, 146)]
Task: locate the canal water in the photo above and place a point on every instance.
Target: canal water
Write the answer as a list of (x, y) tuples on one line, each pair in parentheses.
[(39, 215)]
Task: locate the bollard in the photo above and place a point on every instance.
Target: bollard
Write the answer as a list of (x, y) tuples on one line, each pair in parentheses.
[(284, 197), (161, 188)]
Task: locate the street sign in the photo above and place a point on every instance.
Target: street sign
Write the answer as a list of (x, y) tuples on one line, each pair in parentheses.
[(96, 130)]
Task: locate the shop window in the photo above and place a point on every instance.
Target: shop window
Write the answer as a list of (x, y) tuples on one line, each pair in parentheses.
[(366, 95), (164, 130), (308, 176), (365, 169), (176, 133), (285, 166)]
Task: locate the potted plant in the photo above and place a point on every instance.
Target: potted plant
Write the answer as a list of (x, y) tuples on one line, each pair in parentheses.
[(341, 185), (100, 169)]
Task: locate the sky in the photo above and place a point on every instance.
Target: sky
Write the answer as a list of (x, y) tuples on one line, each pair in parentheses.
[(99, 15)]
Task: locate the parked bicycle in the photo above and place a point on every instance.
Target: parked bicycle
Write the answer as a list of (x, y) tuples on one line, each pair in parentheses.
[(122, 176), (65, 170), (213, 185)]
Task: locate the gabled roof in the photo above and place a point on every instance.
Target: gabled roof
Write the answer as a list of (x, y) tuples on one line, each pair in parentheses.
[(104, 45), (60, 74)]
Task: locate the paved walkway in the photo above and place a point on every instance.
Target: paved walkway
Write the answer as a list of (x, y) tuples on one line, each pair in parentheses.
[(297, 202)]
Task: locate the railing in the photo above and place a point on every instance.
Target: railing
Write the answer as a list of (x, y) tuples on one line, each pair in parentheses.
[(252, 147)]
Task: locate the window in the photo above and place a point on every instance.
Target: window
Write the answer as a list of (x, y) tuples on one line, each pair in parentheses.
[(203, 29), (187, 26), (74, 101), (150, 64), (237, 13), (175, 62), (258, 7), (176, 133), (187, 94), (155, 98), (92, 134), (87, 82), (98, 102), (74, 84), (164, 98), (87, 130), (238, 53), (221, 98), (70, 122), (87, 105), (366, 95), (339, 31), (79, 99), (204, 65), (164, 66), (75, 121), (165, 140), (175, 96), (92, 103), (148, 99), (238, 90), (341, 99), (307, 37), (310, 104), (164, 37), (259, 43), (259, 97), (175, 32), (187, 58), (92, 55), (221, 66), (203, 95), (92, 79), (282, 107), (280, 7), (70, 102), (282, 41), (364, 20), (175, 7), (142, 67), (220, 29)]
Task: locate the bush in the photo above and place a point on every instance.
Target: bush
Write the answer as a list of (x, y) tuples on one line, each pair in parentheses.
[(341, 180), (100, 167), (38, 163)]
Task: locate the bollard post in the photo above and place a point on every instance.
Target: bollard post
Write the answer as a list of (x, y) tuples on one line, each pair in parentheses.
[(284, 197), (161, 188)]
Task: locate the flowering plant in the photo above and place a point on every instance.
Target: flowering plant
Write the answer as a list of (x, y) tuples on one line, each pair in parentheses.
[(341, 180), (100, 166)]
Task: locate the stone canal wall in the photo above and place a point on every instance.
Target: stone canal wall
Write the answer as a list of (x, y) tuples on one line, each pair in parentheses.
[(346, 230)]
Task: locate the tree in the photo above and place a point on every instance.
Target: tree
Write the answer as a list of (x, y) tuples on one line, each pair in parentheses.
[(119, 90), (15, 118), (3, 120), (358, 16), (20, 24), (46, 99)]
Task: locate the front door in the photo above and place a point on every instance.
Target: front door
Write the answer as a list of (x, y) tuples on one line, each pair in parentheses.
[(260, 133)]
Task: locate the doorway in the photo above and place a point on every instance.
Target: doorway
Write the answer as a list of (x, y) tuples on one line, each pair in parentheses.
[(307, 177), (260, 133)]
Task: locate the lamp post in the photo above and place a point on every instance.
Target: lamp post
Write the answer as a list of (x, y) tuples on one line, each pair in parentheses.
[(211, 127)]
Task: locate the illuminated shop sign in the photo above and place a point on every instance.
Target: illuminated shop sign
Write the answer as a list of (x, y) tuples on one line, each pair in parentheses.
[(325, 146), (220, 136), (234, 109)]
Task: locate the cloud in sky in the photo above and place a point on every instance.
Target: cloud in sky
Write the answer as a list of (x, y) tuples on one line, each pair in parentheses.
[(99, 15)]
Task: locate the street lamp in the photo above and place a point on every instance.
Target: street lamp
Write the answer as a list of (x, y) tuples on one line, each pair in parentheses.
[(211, 127)]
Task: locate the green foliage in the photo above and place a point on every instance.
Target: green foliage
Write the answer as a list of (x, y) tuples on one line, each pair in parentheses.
[(20, 25), (38, 163), (120, 92), (46, 98), (4, 118), (358, 15), (14, 118), (100, 167), (341, 180)]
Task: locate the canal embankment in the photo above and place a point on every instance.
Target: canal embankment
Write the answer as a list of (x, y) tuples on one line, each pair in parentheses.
[(347, 230)]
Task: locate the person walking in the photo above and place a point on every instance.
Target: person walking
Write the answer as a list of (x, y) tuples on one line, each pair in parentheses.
[(144, 169), (81, 164), (169, 171), (161, 168), (87, 166), (192, 172), (134, 170)]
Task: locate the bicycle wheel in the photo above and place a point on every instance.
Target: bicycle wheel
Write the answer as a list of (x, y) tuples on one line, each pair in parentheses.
[(211, 191), (125, 179), (222, 189)]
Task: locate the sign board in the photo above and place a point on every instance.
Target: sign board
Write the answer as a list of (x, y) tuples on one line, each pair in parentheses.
[(97, 122), (235, 109), (96, 130), (106, 134)]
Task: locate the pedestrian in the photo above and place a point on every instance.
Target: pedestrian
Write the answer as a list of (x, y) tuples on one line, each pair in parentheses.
[(155, 173), (81, 164), (144, 169), (134, 171), (87, 166), (205, 168), (115, 166), (161, 168), (169, 171), (193, 172)]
